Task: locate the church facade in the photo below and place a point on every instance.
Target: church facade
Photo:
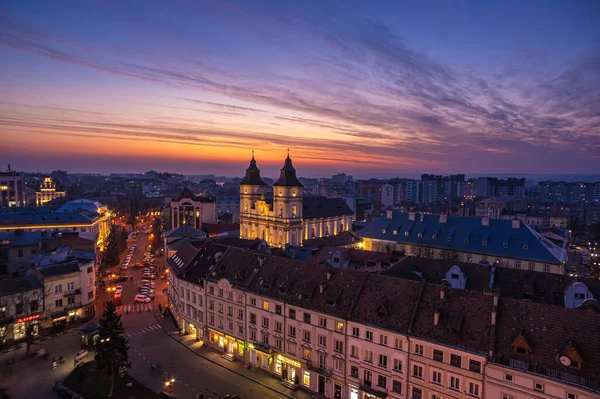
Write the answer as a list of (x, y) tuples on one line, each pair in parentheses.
[(289, 218)]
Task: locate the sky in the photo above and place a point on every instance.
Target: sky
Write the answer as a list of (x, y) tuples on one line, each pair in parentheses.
[(375, 89)]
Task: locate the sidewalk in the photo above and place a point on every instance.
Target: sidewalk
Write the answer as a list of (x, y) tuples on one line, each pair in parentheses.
[(260, 377)]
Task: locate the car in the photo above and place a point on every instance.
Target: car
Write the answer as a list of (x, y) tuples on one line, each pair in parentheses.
[(147, 294), (122, 278), (139, 265), (118, 289), (146, 282), (230, 396), (123, 267), (149, 276), (141, 298)]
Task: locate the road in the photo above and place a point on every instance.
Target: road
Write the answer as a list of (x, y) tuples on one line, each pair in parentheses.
[(149, 344)]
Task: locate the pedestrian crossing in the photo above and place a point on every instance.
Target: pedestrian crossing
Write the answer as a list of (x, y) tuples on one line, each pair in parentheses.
[(143, 330), (138, 307)]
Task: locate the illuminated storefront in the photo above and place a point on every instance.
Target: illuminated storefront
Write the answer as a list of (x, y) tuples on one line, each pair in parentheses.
[(230, 345), (290, 370)]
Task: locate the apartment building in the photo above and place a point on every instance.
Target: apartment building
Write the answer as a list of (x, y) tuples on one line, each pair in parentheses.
[(505, 243), (342, 334), (21, 305)]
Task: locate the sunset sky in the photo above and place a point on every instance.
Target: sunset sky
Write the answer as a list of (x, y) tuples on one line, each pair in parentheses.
[(371, 88)]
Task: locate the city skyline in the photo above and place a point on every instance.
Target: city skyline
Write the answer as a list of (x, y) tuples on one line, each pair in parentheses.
[(380, 90)]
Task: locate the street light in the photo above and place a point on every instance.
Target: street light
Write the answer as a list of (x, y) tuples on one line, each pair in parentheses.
[(169, 384)]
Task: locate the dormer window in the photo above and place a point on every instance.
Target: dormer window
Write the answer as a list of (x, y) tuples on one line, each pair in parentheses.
[(520, 345), (484, 243), (525, 246), (406, 233), (449, 239), (454, 276), (434, 237), (383, 231), (395, 232), (466, 241), (505, 245), (420, 235), (580, 295)]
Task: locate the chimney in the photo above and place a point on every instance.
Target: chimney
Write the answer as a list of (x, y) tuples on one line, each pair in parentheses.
[(442, 294), (328, 276), (411, 215), (516, 223), (485, 221), (321, 288), (444, 218), (436, 317)]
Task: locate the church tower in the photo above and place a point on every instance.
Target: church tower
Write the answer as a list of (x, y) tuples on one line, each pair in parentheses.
[(287, 206), (252, 189)]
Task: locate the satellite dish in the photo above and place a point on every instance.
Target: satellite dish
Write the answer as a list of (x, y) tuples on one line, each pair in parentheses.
[(565, 361)]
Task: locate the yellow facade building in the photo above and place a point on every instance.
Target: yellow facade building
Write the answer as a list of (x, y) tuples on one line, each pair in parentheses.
[(47, 192), (290, 217)]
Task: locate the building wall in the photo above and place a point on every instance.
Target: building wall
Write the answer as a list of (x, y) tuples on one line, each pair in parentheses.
[(15, 309), (192, 213)]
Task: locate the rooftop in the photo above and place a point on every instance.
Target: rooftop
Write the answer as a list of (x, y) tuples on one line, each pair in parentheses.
[(322, 207)]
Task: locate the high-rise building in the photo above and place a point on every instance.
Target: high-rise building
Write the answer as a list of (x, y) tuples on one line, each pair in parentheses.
[(12, 189)]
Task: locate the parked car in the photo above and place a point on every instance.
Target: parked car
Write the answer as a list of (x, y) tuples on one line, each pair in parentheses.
[(141, 298), (119, 289)]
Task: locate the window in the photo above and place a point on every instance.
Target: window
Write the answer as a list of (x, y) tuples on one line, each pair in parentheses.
[(58, 288), (517, 264), (369, 335), (221, 292), (293, 314), (241, 314), (322, 322), (337, 364), (306, 353), (368, 356), (438, 355), (538, 387), (265, 322), (211, 290), (339, 346), (436, 377), (383, 360), (417, 371), (580, 295), (508, 377), (382, 381), (547, 268), (454, 383), (396, 386), (322, 340), (265, 305), (253, 335), (193, 298), (253, 301), (265, 339), (89, 282), (277, 309), (230, 327), (397, 343), (355, 331), (211, 305), (354, 371), (571, 395), (20, 253), (71, 300), (229, 310), (18, 308), (507, 396), (383, 339), (240, 330), (278, 326), (531, 266), (354, 351), (306, 378), (397, 365), (58, 303), (90, 269), (278, 343), (307, 318), (91, 295), (211, 319), (368, 378), (306, 336), (473, 389), (230, 296), (322, 361), (475, 366), (417, 393), (292, 331), (455, 360), (419, 349), (339, 326), (252, 318), (469, 257)]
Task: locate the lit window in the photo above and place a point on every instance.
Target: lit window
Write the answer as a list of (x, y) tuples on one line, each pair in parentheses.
[(265, 305), (306, 379)]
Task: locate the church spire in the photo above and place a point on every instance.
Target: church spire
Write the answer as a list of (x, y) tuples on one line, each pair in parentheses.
[(287, 176), (252, 177)]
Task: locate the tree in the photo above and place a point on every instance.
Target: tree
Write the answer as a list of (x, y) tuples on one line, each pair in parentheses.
[(112, 354), (132, 221), (29, 337)]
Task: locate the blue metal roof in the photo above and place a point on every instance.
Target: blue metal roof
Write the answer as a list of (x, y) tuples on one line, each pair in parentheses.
[(8, 219), (465, 234)]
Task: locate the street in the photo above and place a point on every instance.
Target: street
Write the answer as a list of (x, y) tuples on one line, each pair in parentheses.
[(150, 345)]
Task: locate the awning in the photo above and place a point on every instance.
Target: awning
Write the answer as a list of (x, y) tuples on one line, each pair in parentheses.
[(368, 389), (58, 315)]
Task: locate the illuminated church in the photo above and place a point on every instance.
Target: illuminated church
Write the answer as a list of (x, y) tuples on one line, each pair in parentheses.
[(290, 218)]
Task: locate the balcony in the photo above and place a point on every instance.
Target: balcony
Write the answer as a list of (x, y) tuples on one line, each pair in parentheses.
[(72, 292), (366, 387), (319, 370)]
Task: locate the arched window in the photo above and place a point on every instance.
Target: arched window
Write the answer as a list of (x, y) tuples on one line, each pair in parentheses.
[(341, 226), (280, 211), (314, 232), (326, 230), (245, 206), (293, 238), (294, 211)]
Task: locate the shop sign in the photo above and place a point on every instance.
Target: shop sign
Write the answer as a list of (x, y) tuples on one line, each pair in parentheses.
[(270, 359), (29, 318), (284, 359)]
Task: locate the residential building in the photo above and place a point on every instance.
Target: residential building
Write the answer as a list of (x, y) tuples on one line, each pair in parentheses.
[(489, 208), (189, 209), (47, 192), (462, 239), (290, 218), (228, 205), (341, 333), (12, 189), (69, 281), (21, 305)]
